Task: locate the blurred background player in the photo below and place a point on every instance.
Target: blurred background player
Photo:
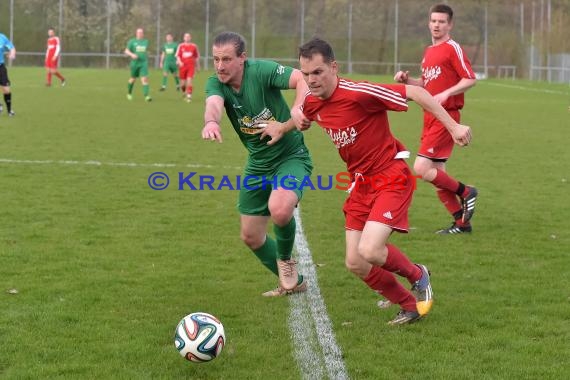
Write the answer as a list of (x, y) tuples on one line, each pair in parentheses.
[(188, 60), (251, 93), (53, 52), (446, 74), (6, 46), (137, 50), (168, 62)]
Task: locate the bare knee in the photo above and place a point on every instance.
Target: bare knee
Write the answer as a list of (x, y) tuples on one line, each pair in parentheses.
[(252, 240), (281, 214), (372, 253), (357, 267)]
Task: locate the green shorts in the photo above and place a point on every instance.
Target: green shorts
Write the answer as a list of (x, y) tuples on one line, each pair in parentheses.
[(256, 188), (170, 67), (139, 69)]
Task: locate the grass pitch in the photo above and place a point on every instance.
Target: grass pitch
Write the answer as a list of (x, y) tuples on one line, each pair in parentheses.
[(105, 267)]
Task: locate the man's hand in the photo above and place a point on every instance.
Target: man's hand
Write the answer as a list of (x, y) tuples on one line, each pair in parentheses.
[(461, 134), (212, 132), (301, 122), (273, 129), (401, 77)]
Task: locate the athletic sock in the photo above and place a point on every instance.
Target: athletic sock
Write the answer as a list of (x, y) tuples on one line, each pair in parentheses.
[(189, 90), (386, 284), (397, 262), (8, 101), (177, 81), (130, 87), (145, 89), (285, 237), (267, 254), (48, 80), (444, 181), (164, 80), (450, 201)]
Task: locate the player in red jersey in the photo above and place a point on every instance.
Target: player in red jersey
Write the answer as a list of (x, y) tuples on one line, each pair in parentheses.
[(52, 57), (188, 61), (354, 115), (446, 74)]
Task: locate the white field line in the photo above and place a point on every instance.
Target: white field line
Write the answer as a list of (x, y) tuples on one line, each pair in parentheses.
[(310, 309), (101, 163), (316, 349), (542, 90)]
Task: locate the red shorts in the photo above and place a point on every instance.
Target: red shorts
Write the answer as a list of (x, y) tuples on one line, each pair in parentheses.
[(436, 142), (50, 63), (387, 204), (186, 71)]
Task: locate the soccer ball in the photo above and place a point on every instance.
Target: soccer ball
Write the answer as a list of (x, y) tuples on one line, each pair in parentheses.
[(199, 337)]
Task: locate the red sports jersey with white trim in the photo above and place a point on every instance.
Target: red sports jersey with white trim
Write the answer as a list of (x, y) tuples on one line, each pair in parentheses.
[(53, 47), (188, 53), (355, 117), (443, 66)]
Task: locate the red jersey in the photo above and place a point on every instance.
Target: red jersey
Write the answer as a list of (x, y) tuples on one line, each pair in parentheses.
[(53, 48), (443, 66), (187, 53), (355, 118)]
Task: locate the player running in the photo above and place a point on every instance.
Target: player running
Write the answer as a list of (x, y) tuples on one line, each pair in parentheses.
[(188, 60), (168, 62), (354, 115), (250, 92), (53, 53), (137, 50), (6, 46), (446, 74)]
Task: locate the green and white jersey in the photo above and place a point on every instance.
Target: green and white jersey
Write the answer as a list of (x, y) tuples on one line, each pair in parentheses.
[(139, 47), (169, 50), (258, 99)]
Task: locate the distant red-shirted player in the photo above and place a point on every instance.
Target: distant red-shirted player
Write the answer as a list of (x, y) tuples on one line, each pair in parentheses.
[(446, 74), (188, 61), (52, 58), (354, 115)]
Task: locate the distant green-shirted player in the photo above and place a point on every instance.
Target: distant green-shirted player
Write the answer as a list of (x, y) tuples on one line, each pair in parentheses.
[(278, 160), (137, 50), (168, 62)]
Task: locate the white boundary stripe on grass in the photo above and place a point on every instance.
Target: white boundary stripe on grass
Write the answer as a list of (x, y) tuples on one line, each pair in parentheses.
[(311, 306), (120, 164), (557, 92)]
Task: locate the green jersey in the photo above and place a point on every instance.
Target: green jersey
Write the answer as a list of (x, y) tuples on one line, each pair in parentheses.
[(258, 99), (169, 50), (138, 47)]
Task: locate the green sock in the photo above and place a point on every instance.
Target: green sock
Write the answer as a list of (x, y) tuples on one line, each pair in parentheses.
[(267, 254), (285, 237), (130, 87), (164, 79), (177, 81), (145, 89)]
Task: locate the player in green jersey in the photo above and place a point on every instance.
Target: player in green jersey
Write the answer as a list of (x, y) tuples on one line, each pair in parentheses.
[(168, 62), (137, 50), (250, 92)]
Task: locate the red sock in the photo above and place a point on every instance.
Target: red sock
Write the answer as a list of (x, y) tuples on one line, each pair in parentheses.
[(443, 181), (57, 74), (385, 283), (189, 90), (48, 78), (449, 200), (397, 262)]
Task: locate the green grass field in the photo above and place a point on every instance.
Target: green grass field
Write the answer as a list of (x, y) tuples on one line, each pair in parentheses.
[(105, 267)]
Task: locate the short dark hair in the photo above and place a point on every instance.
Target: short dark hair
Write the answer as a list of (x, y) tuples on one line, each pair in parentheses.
[(317, 46), (233, 38), (442, 8)]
